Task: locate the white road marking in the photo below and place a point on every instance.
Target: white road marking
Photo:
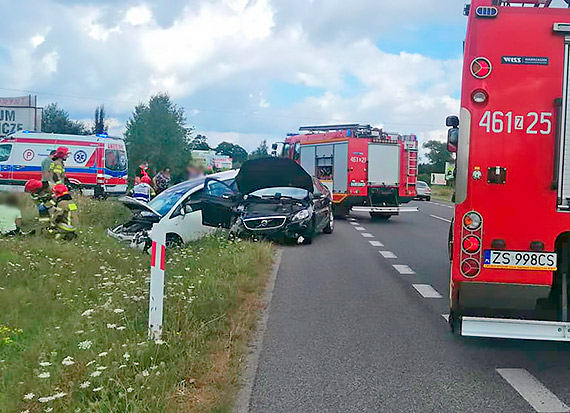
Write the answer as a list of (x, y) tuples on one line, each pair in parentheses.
[(353, 223), (360, 228), (438, 204), (352, 219), (367, 235), (426, 291), (445, 317), (387, 254), (403, 269), (376, 243), (443, 219), (533, 391)]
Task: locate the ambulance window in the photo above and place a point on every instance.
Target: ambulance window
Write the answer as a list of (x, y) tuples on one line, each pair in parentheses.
[(5, 152), (115, 160)]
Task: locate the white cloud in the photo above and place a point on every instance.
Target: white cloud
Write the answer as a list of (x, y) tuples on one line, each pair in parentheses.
[(37, 40), (49, 62), (138, 15)]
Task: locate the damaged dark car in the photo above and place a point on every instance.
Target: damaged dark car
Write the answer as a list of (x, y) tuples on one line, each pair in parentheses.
[(272, 198)]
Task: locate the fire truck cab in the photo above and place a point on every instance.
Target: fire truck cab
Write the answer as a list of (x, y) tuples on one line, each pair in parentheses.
[(365, 168), (509, 242)]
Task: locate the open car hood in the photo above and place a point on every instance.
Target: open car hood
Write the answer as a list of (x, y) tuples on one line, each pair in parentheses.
[(272, 172), (137, 206)]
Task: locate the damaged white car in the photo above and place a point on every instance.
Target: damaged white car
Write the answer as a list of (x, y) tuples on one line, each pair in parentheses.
[(178, 209)]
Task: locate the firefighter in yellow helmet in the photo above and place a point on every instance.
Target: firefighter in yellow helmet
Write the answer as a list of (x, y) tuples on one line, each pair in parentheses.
[(64, 215), (57, 166)]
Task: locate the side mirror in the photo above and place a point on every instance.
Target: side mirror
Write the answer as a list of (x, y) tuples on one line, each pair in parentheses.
[(452, 121), (274, 146), (452, 139)]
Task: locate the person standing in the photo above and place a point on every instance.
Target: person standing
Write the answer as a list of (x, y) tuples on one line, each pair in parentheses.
[(57, 166), (46, 163), (143, 192), (162, 180)]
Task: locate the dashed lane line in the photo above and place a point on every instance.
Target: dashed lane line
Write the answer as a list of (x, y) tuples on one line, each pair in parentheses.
[(367, 235), (533, 391), (443, 205), (353, 223), (376, 243), (403, 269), (360, 228), (426, 291), (388, 254), (440, 218)]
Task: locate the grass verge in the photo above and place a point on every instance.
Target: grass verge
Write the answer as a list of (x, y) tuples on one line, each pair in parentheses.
[(443, 193), (73, 324)]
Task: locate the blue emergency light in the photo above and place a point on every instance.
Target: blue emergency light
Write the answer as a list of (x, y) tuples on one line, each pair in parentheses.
[(102, 135), (26, 131)]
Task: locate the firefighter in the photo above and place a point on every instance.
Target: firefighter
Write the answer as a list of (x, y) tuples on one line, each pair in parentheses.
[(57, 166), (143, 192), (42, 196), (64, 216)]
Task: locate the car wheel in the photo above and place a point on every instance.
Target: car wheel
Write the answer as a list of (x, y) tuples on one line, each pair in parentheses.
[(330, 226), (428, 198), (174, 241)]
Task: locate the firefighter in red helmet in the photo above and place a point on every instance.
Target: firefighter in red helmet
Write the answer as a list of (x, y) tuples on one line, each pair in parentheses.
[(42, 197), (57, 167), (64, 216)]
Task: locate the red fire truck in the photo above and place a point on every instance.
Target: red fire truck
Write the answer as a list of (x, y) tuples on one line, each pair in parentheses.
[(365, 168), (509, 243)]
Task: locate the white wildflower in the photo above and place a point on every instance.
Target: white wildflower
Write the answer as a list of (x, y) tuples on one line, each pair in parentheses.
[(79, 332), (111, 325), (98, 389), (145, 373), (68, 361), (129, 390), (96, 373), (126, 356), (90, 363), (48, 409), (159, 342), (85, 384), (59, 395), (122, 366), (103, 354), (102, 368), (45, 363), (45, 399), (87, 313), (85, 345), (120, 328), (44, 375), (25, 411), (29, 396), (118, 310)]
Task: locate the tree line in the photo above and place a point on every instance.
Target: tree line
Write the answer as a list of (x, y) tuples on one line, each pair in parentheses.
[(155, 132)]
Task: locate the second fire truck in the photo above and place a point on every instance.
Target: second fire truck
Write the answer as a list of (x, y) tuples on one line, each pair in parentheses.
[(365, 168)]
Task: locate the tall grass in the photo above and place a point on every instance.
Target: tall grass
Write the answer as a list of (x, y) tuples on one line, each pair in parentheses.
[(73, 321)]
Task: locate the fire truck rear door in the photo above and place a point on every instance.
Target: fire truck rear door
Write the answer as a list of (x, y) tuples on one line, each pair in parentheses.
[(340, 167), (383, 164), (308, 159), (564, 130)]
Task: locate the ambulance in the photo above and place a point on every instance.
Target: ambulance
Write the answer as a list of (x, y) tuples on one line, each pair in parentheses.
[(95, 161)]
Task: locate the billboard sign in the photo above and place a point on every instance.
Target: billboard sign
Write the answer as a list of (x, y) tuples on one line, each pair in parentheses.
[(19, 113), (438, 179)]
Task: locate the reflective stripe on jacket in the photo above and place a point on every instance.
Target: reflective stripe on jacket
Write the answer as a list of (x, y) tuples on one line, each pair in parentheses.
[(142, 192)]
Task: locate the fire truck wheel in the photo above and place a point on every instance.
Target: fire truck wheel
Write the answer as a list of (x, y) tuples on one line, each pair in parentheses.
[(380, 216)]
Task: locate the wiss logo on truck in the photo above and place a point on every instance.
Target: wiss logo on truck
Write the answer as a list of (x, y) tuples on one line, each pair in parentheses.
[(510, 240), (94, 161), (365, 168)]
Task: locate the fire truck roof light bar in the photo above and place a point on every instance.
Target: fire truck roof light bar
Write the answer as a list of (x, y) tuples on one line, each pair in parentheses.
[(517, 329), (562, 27), (535, 3), (335, 127)]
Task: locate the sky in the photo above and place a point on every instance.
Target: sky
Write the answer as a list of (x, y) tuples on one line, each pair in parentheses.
[(243, 70)]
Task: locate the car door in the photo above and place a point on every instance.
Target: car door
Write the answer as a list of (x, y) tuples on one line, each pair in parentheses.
[(218, 204), (186, 219)]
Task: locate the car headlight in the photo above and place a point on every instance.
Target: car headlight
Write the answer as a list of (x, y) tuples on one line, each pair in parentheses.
[(302, 214)]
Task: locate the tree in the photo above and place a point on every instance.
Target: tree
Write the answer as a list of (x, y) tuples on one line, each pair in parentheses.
[(99, 121), (437, 155), (261, 151), (56, 120), (200, 143), (156, 133), (236, 152)]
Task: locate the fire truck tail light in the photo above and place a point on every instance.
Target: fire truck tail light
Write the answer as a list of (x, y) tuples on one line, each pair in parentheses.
[(472, 221), (471, 244), (479, 96), (470, 267)]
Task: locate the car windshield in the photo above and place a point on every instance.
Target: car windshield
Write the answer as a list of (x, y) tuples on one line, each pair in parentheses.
[(422, 184), (167, 199), (296, 193)]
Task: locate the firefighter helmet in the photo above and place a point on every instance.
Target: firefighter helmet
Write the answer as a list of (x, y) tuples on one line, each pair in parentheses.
[(33, 185), (146, 180), (60, 190), (62, 152)]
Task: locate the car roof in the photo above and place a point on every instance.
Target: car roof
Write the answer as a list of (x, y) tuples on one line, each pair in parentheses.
[(190, 184)]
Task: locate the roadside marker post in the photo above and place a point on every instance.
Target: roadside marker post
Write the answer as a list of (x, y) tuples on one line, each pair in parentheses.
[(156, 296)]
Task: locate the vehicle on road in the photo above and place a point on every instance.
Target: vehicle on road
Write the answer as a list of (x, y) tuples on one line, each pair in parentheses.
[(272, 198), (96, 162), (178, 208), (423, 191), (510, 240), (365, 168)]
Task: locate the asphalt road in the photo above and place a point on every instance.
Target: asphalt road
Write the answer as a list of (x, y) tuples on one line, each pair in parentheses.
[(354, 326)]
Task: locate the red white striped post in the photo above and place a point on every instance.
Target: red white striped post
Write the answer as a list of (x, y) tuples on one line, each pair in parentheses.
[(156, 296)]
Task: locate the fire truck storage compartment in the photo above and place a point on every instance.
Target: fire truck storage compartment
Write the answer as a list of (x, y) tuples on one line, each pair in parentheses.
[(340, 167), (383, 164), (564, 151), (308, 159)]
